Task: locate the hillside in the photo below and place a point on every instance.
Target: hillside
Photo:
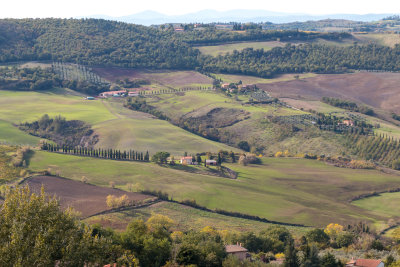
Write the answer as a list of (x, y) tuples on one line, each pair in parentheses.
[(287, 190), (116, 126), (110, 43)]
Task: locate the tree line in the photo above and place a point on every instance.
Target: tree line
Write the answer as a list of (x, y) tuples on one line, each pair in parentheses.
[(94, 42), (349, 105), (114, 154)]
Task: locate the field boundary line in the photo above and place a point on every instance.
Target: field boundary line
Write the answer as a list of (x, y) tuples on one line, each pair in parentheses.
[(147, 204)]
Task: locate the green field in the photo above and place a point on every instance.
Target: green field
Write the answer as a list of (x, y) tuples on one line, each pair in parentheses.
[(12, 135), (118, 127), (185, 219), (282, 189), (387, 204), (216, 50)]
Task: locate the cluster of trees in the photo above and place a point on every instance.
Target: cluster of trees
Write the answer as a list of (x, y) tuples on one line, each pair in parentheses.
[(305, 58), (65, 133), (382, 149), (93, 42), (117, 202), (28, 79), (38, 79), (211, 36), (9, 164), (135, 83), (35, 232), (110, 43), (335, 124), (97, 152), (140, 104), (349, 105)]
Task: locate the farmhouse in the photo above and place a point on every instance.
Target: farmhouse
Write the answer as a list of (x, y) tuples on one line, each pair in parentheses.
[(225, 86), (348, 122), (211, 162), (186, 160), (112, 93), (365, 263), (237, 250)]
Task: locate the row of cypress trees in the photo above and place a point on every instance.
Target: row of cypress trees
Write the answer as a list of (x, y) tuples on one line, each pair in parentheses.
[(98, 152)]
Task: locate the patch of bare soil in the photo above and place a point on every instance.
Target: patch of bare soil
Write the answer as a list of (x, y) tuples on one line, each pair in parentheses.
[(85, 198), (379, 90)]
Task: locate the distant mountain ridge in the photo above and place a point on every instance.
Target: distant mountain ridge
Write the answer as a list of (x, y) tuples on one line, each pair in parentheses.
[(238, 15)]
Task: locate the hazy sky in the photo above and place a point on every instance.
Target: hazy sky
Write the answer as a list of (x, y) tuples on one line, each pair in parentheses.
[(74, 8)]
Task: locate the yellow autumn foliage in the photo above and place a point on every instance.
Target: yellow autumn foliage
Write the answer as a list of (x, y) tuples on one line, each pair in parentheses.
[(280, 256), (333, 229)]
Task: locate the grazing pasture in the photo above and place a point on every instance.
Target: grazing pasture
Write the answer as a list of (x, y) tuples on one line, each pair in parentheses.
[(281, 189), (185, 218), (12, 135), (216, 50), (386, 204), (85, 198), (117, 127)]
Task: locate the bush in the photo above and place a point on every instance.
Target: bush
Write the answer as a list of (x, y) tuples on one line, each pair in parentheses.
[(396, 164), (244, 146), (318, 236)]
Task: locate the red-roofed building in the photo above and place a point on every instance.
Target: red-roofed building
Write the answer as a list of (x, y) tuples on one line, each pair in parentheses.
[(365, 263), (186, 160)]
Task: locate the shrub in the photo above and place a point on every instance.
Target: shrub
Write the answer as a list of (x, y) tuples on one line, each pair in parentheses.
[(396, 164), (244, 146)]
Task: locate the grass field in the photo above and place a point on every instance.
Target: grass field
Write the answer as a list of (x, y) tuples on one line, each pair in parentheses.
[(185, 219), (379, 38), (17, 107), (12, 135), (288, 190), (217, 50), (118, 127), (387, 204)]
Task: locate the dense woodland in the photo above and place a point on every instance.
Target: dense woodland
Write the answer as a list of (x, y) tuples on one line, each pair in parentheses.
[(109, 43)]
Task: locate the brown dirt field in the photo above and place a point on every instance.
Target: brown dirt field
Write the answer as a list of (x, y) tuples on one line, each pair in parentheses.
[(379, 90), (84, 198), (162, 77)]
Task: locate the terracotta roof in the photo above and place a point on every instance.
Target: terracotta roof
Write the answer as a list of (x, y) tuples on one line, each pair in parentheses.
[(366, 262), (186, 158), (234, 248)]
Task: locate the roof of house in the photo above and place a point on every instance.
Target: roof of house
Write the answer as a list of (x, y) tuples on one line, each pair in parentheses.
[(210, 160), (186, 158), (365, 262), (234, 248)]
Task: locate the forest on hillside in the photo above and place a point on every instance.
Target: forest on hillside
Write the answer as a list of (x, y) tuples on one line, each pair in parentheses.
[(96, 42)]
